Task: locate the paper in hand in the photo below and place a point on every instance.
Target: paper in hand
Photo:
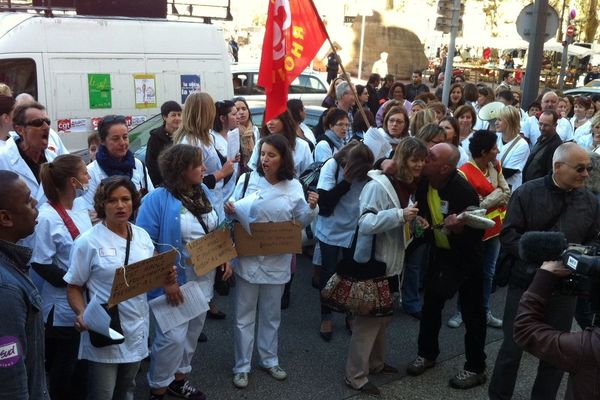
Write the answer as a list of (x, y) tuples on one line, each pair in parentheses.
[(97, 319), (243, 208), (233, 144), (375, 141)]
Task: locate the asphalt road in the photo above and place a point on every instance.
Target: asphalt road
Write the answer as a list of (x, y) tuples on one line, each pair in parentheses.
[(316, 368)]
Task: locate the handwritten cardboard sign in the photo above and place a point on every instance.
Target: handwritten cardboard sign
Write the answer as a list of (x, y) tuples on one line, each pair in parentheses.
[(140, 277), (210, 251), (268, 238)]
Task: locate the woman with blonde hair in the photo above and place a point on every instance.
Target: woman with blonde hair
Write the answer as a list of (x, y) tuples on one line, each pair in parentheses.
[(197, 120), (420, 119), (513, 149)]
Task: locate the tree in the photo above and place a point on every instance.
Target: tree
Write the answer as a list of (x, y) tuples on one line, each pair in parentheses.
[(589, 19)]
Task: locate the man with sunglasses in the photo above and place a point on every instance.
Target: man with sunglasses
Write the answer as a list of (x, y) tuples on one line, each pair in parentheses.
[(26, 153), (557, 202)]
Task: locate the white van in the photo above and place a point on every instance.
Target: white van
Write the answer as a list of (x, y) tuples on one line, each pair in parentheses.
[(82, 68)]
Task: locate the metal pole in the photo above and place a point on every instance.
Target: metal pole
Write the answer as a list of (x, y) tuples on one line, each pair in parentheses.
[(362, 41), (563, 64), (535, 54), (451, 50)]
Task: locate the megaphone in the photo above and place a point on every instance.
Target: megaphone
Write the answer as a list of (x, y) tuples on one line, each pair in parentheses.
[(490, 111)]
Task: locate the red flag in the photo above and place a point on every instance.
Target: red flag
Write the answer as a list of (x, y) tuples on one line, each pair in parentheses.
[(294, 34)]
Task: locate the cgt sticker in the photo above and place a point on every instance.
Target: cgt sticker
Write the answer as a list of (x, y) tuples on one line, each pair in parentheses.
[(10, 351)]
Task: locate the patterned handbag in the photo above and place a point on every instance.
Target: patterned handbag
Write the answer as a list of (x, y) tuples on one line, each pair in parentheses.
[(359, 288)]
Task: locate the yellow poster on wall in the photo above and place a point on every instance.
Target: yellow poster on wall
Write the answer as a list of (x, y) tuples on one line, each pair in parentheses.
[(145, 90)]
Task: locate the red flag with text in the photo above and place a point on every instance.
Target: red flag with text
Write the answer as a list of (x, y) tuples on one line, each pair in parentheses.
[(294, 34)]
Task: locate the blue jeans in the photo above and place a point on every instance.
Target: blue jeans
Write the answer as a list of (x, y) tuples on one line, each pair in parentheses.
[(414, 265), (111, 381), (491, 249)]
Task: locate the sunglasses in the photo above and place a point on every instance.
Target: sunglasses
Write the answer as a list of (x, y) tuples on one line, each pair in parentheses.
[(580, 168), (115, 179), (39, 122), (110, 119)]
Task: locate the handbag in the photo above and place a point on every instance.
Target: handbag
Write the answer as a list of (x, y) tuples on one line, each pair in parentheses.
[(98, 339), (359, 288)]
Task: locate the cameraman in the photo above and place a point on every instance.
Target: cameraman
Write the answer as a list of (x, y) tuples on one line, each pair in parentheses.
[(558, 202), (576, 353)]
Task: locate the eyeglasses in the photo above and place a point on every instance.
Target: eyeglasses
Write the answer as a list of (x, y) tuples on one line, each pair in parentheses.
[(395, 121), (38, 123), (579, 168), (345, 126)]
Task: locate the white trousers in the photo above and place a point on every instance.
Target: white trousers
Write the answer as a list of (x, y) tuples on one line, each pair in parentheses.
[(172, 352), (250, 297)]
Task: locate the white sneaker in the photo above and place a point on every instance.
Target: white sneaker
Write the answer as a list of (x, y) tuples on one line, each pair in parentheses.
[(493, 321), (240, 380), (456, 320), (277, 372)]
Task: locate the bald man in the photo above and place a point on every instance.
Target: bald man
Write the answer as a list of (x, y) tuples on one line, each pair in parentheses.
[(531, 129), (22, 374), (457, 250), (556, 202)]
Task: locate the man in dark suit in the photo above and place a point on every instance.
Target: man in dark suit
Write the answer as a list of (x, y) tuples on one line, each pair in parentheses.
[(539, 163)]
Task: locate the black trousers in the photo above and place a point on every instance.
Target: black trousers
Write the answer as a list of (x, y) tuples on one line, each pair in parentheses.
[(444, 278), (559, 314), (67, 376)]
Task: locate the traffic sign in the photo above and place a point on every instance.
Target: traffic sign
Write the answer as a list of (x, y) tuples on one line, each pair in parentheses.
[(570, 30), (526, 22)]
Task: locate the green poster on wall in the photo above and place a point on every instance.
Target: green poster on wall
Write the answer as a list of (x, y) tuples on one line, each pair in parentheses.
[(99, 89)]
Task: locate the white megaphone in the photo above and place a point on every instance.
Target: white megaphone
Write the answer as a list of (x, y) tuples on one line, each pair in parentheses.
[(490, 111)]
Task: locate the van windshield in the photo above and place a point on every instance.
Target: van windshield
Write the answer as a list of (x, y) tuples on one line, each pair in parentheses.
[(20, 75)]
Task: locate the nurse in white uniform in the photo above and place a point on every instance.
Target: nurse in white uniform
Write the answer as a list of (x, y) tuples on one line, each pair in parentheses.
[(285, 125), (261, 279), (95, 257), (196, 122), (58, 226), (225, 121), (114, 158), (174, 215), (513, 149)]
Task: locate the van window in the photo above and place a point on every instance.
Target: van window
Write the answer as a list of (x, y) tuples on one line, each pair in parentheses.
[(20, 75), (307, 84), (245, 84)]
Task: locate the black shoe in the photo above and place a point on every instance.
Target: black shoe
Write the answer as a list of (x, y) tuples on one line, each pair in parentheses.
[(467, 379), (419, 365), (367, 388), (386, 370), (202, 338), (216, 315), (416, 315), (185, 390), (314, 281), (326, 336)]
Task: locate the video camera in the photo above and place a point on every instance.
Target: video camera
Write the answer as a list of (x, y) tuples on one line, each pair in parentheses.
[(537, 247)]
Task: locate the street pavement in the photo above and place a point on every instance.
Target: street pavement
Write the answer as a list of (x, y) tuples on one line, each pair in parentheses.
[(316, 368)]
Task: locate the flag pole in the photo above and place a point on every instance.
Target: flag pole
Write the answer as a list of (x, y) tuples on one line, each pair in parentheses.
[(345, 75)]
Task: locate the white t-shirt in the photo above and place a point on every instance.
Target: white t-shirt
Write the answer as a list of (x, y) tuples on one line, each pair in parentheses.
[(53, 245), (516, 158), (96, 255)]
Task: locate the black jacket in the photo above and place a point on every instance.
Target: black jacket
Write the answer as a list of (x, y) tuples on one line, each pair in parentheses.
[(159, 140), (539, 162), (537, 204), (466, 247)]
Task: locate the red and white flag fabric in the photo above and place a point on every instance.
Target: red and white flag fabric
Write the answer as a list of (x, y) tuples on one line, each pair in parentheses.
[(294, 34)]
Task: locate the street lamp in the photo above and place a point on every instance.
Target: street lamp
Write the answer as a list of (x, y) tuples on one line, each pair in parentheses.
[(364, 11)]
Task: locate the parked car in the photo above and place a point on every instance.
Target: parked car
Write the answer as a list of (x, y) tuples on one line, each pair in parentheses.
[(310, 86), (138, 136), (592, 87)]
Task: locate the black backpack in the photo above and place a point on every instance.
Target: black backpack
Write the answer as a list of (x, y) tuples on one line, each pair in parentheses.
[(310, 177)]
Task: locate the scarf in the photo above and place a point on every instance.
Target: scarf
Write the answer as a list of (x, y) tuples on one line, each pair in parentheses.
[(111, 166), (337, 142), (195, 201)]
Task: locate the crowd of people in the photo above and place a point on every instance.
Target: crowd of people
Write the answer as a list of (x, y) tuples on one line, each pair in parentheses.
[(69, 226)]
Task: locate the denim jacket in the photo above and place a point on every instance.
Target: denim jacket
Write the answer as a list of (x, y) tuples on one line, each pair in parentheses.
[(22, 374)]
